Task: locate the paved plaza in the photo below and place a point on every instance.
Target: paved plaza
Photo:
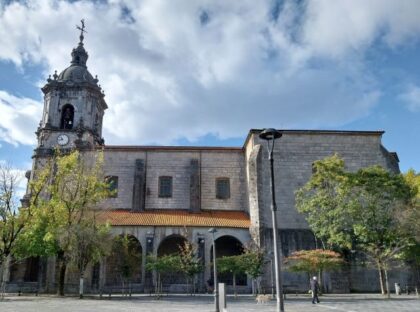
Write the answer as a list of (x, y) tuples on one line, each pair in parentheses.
[(339, 303)]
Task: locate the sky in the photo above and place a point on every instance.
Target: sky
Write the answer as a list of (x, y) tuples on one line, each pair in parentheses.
[(204, 72)]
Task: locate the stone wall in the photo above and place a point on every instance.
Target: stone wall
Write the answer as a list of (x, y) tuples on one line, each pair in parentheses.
[(178, 163), (294, 154)]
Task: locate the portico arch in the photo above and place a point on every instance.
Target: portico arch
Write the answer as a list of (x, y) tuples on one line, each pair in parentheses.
[(124, 265), (171, 246), (227, 246)]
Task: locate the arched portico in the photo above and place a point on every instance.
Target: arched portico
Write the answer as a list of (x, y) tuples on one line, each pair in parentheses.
[(171, 245), (124, 265), (226, 246)]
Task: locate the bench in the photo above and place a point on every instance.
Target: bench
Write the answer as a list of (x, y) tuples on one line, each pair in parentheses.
[(287, 289), (409, 289), (125, 291), (24, 288), (164, 290)]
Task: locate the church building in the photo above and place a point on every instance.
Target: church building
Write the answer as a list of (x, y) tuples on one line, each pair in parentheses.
[(165, 195)]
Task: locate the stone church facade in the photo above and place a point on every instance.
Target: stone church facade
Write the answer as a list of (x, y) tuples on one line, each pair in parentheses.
[(169, 194)]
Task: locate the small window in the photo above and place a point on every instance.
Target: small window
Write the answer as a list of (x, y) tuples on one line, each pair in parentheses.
[(222, 188), (165, 186), (112, 185)]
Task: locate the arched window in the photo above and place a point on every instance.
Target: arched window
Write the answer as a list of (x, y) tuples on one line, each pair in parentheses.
[(67, 117)]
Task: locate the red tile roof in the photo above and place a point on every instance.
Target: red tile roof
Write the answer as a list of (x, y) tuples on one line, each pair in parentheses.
[(230, 219)]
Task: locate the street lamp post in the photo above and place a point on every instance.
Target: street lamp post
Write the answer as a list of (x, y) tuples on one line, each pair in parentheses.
[(270, 135), (216, 295), (270, 255)]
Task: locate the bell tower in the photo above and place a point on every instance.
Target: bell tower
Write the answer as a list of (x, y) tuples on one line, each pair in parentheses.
[(74, 107)]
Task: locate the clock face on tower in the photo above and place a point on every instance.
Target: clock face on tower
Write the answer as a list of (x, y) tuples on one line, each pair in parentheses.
[(62, 139)]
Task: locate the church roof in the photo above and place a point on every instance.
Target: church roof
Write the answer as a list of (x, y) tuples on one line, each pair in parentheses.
[(318, 132), (163, 217), (172, 148), (77, 73)]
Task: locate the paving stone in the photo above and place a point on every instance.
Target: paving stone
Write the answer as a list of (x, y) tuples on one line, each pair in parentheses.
[(300, 303)]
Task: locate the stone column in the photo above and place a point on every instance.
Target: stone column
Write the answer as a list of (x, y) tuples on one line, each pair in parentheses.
[(201, 283), (148, 276)]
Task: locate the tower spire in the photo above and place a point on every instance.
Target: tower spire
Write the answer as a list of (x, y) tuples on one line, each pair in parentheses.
[(79, 54)]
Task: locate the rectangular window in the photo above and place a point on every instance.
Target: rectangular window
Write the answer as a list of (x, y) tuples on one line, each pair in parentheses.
[(222, 188), (165, 186), (112, 182)]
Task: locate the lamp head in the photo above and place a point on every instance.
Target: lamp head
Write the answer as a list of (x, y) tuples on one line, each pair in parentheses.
[(212, 230), (270, 134)]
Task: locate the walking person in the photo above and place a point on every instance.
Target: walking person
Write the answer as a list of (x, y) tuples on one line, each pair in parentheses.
[(314, 289)]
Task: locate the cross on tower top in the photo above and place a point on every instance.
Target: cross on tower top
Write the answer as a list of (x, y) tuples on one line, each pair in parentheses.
[(82, 30)]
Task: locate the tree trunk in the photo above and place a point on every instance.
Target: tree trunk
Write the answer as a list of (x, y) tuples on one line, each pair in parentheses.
[(321, 286), (258, 284), (61, 277), (81, 282), (2, 280), (159, 285), (234, 286), (381, 279), (4, 276), (388, 294)]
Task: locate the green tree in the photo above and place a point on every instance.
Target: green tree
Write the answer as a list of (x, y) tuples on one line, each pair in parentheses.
[(377, 195), (190, 263), (70, 187), (356, 210), (314, 261), (161, 265), (89, 243), (323, 200), (233, 265), (12, 220), (253, 260), (410, 220), (410, 217)]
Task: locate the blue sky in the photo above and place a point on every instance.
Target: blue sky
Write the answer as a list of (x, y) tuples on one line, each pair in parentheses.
[(208, 71)]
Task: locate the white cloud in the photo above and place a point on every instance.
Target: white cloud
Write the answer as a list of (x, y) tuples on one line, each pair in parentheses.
[(412, 98), (174, 69), (334, 28), (19, 119)]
